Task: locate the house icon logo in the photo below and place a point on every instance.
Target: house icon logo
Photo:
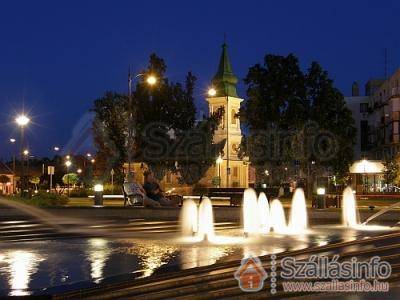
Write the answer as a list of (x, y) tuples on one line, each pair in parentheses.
[(251, 275)]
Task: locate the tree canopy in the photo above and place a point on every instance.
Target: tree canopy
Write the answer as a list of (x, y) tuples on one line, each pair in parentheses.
[(164, 124), (295, 118)]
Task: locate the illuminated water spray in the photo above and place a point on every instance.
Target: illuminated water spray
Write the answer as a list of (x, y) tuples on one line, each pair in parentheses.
[(263, 214), (350, 217), (251, 223), (298, 221), (278, 219), (198, 222)]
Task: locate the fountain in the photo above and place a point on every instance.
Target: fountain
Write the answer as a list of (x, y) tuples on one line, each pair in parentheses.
[(298, 213), (263, 214), (350, 216), (251, 224), (206, 220), (189, 218), (278, 219), (381, 212), (197, 222)]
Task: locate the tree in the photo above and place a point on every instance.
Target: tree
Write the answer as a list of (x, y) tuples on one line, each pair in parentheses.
[(70, 178), (295, 119), (164, 122), (392, 170)]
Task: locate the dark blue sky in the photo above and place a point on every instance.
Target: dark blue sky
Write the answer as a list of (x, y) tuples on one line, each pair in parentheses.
[(55, 59)]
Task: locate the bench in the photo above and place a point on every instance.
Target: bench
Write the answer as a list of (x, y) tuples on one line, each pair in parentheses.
[(234, 195)]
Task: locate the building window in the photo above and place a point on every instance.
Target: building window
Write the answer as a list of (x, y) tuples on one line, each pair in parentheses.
[(363, 107), (235, 172), (233, 117)]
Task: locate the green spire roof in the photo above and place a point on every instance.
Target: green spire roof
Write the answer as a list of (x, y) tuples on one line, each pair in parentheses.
[(225, 81)]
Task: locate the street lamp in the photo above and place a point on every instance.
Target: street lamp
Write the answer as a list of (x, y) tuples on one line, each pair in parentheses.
[(68, 163), (151, 80), (56, 148), (22, 121), (212, 92), (79, 171), (219, 162)]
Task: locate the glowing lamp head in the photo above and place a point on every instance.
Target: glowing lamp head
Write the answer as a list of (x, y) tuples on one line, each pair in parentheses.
[(212, 92), (22, 120), (98, 187), (56, 148), (219, 160), (93, 161), (266, 172), (26, 152), (320, 191), (68, 163), (151, 80), (12, 140), (79, 171), (88, 154)]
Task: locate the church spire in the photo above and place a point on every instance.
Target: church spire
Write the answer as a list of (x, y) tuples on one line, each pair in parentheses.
[(224, 80)]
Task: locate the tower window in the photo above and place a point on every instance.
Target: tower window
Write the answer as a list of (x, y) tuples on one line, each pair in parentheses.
[(233, 117)]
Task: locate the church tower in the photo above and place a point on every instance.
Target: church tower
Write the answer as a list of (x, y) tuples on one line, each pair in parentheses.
[(231, 169)]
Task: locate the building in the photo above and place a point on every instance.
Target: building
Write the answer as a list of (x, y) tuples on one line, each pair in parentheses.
[(377, 117), (359, 108), (232, 171), (7, 180)]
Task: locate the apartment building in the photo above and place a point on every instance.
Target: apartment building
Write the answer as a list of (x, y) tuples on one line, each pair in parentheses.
[(377, 117)]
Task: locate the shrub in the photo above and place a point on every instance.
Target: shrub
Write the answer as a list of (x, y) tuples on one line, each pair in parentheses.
[(47, 199), (79, 193)]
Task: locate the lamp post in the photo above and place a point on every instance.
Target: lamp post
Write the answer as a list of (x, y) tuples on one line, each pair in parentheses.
[(26, 158), (219, 162), (150, 80), (12, 141), (22, 121), (68, 163)]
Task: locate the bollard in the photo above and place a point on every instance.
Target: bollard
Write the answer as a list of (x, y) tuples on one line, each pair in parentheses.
[(98, 195), (321, 204)]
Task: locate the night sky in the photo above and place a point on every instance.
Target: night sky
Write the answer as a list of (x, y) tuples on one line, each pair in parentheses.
[(55, 59)]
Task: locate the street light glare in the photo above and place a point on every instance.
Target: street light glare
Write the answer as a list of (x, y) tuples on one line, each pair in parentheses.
[(25, 152), (79, 171), (212, 92), (12, 140), (56, 148), (68, 163), (22, 120), (219, 160), (151, 80)]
